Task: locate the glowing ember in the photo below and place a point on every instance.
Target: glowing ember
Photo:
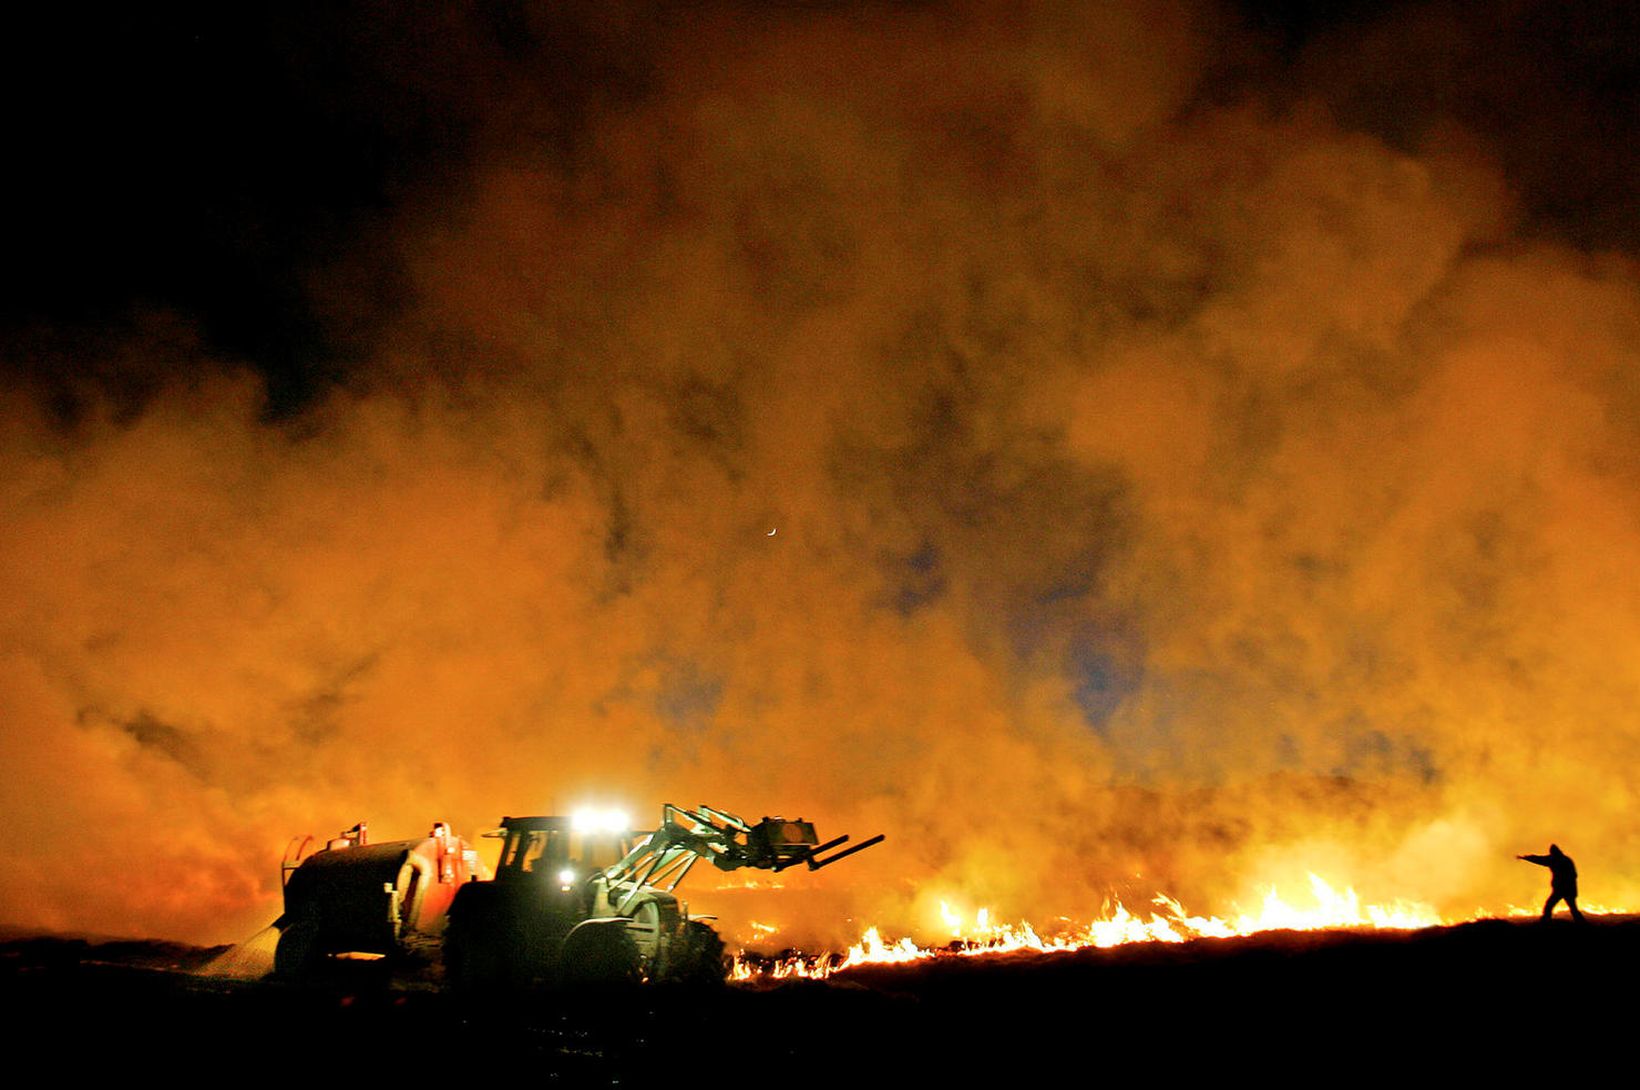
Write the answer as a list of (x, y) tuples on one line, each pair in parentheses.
[(870, 950), (727, 884), (1116, 926)]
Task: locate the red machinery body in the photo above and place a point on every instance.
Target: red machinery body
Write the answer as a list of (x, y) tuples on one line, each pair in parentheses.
[(355, 897)]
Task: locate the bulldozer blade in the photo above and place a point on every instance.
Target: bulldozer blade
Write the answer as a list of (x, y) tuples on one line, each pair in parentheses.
[(816, 864)]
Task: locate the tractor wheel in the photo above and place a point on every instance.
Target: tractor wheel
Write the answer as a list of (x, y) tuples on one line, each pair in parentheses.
[(599, 952), (474, 964), (697, 957), (297, 954), (647, 932)]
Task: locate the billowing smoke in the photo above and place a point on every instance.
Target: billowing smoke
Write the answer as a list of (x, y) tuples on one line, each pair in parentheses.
[(1029, 436)]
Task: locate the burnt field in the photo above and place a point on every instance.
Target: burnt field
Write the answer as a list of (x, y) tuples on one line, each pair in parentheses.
[(1485, 999)]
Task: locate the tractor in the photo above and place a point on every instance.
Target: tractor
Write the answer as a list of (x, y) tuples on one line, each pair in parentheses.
[(584, 900)]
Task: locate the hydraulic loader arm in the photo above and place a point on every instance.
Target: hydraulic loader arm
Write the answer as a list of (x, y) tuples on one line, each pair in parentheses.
[(729, 842)]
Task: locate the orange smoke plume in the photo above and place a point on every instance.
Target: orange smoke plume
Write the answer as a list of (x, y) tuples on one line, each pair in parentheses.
[(1173, 493)]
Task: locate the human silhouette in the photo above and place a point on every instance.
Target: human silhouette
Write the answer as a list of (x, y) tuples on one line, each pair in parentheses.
[(1562, 880)]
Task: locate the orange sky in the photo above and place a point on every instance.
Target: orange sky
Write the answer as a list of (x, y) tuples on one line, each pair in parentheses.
[(1170, 484)]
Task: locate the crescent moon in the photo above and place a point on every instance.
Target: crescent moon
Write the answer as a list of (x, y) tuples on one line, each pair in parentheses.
[(771, 532)]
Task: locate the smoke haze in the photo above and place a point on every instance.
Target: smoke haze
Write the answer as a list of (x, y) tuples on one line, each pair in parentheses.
[(1190, 463)]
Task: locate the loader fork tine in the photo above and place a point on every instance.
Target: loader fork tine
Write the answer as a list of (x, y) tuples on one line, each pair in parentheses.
[(816, 864)]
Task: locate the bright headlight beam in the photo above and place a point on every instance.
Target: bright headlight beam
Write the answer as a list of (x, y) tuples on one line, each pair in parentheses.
[(594, 820)]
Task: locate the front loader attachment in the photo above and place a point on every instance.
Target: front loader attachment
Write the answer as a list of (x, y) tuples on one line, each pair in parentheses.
[(728, 841), (816, 864)]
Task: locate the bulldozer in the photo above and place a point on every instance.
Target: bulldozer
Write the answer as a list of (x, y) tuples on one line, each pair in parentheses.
[(353, 898), (584, 900)]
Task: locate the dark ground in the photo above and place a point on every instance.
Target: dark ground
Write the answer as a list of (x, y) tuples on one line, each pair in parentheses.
[(1491, 1000)]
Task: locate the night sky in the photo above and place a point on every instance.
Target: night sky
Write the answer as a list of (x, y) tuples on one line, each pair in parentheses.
[(216, 162), (1203, 441)]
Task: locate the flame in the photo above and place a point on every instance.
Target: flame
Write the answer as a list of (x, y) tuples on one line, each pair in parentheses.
[(1167, 921), (872, 949)]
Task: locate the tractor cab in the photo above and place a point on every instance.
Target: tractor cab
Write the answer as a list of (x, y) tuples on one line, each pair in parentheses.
[(561, 851)]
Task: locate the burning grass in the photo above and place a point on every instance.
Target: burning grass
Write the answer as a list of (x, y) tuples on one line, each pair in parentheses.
[(1164, 921)]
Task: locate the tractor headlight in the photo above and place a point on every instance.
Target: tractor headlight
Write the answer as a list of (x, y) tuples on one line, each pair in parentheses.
[(591, 820), (566, 878)]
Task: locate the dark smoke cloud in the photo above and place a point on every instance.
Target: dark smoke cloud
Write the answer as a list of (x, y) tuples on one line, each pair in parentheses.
[(1179, 481)]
